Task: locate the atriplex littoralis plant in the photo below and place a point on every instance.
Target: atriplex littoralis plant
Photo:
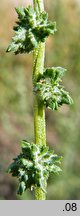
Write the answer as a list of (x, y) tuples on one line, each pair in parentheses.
[(35, 162)]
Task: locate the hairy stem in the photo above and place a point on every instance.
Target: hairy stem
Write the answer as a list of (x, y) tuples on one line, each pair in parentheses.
[(39, 110), (39, 4)]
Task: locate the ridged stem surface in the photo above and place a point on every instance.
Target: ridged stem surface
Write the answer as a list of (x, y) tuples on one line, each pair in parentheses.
[(39, 110)]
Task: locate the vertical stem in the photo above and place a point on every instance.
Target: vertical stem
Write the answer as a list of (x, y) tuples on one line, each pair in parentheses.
[(39, 3), (39, 110)]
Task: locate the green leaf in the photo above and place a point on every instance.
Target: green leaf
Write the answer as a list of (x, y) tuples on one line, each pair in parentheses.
[(55, 169), (25, 144), (25, 177), (26, 163), (30, 30), (48, 88), (34, 169), (20, 12), (21, 172), (21, 188)]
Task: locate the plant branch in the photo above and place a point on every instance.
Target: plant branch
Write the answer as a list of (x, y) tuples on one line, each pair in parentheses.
[(39, 110), (35, 162)]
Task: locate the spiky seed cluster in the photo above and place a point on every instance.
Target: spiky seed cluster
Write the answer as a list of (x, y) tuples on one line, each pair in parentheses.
[(31, 29), (33, 165), (48, 88)]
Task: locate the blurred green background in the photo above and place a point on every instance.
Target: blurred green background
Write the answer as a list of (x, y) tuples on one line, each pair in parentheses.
[(16, 101)]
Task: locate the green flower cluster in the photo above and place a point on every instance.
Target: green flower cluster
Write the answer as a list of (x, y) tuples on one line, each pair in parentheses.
[(48, 88), (31, 29), (33, 165)]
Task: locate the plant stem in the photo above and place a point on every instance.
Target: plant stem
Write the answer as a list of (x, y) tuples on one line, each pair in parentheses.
[(39, 4), (39, 110)]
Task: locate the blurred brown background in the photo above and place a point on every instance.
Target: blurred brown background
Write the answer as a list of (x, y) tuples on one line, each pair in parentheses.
[(16, 102)]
